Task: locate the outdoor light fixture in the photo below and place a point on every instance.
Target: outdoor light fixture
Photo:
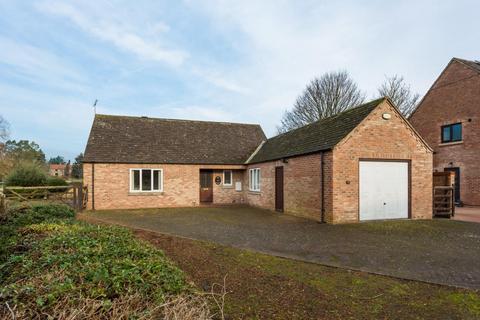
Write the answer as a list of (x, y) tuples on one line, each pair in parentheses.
[(386, 116)]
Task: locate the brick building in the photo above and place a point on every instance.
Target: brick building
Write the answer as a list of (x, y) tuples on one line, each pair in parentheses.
[(59, 170), (363, 164), (448, 118)]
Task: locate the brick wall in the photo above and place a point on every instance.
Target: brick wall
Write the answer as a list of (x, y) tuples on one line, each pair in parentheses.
[(455, 97), (376, 138), (302, 185), (180, 186), (227, 194)]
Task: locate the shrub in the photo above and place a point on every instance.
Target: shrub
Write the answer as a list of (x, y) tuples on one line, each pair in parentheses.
[(56, 181), (70, 265), (26, 174), (22, 215)]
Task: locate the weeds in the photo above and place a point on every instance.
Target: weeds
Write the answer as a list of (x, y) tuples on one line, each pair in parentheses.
[(54, 267)]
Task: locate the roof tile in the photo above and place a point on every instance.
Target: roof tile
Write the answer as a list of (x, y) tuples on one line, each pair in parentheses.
[(317, 136)]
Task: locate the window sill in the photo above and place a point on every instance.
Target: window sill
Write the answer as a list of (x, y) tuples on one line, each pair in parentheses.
[(227, 186), (446, 144), (146, 193), (254, 192)]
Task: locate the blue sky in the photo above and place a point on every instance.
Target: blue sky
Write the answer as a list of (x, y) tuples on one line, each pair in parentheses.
[(240, 61)]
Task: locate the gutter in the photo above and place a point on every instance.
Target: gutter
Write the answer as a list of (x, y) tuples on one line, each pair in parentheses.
[(322, 173), (93, 186)]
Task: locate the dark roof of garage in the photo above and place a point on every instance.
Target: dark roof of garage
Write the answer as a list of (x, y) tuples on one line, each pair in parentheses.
[(318, 136), (123, 139)]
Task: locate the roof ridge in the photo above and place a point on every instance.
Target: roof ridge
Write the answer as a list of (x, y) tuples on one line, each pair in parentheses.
[(331, 117), (468, 63), (172, 119)]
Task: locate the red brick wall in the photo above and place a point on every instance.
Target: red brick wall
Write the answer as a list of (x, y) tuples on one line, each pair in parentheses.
[(376, 138), (226, 194), (302, 185), (455, 97), (180, 187)]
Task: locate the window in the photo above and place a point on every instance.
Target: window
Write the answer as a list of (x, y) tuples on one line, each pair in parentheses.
[(254, 179), (146, 180), (227, 177), (452, 132)]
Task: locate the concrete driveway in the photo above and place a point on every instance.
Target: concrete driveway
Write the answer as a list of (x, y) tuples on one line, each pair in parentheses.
[(470, 214), (438, 251)]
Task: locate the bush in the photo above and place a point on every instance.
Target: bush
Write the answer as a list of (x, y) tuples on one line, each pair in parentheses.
[(62, 267), (26, 174), (24, 215), (56, 181)]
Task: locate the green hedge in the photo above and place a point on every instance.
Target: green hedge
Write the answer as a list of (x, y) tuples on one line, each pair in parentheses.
[(26, 175)]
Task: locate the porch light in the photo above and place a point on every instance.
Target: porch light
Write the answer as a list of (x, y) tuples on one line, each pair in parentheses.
[(386, 116)]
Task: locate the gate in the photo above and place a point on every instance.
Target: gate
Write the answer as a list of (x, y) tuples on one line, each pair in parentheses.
[(444, 193), (74, 195)]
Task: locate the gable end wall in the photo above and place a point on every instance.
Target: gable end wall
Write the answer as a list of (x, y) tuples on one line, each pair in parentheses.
[(376, 138), (454, 98)]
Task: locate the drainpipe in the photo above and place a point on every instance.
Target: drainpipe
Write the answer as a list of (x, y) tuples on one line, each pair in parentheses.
[(322, 171), (93, 186)]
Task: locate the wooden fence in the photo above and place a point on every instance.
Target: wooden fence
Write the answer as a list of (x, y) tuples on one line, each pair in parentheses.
[(74, 195)]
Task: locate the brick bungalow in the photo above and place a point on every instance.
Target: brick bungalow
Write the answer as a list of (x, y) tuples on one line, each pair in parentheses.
[(448, 118), (366, 163)]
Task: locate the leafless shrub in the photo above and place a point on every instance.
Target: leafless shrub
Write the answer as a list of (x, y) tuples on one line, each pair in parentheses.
[(192, 306)]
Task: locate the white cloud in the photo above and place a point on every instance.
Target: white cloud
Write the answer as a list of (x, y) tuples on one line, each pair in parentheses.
[(118, 34), (201, 113), (38, 65)]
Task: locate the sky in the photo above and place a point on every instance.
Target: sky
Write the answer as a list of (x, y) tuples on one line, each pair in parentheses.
[(236, 61)]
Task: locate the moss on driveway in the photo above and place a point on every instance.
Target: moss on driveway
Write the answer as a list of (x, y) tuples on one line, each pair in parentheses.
[(437, 251), (261, 286)]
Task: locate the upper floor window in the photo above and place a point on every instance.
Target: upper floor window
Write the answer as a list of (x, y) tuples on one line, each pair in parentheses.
[(146, 180), (254, 179), (452, 133)]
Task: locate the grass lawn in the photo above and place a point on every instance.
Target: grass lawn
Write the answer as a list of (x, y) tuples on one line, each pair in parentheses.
[(260, 286)]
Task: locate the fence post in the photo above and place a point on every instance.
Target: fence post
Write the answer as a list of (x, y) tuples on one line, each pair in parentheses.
[(80, 197), (75, 199), (3, 207)]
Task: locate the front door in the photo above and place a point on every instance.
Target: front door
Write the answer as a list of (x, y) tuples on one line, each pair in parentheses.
[(206, 186), (457, 182), (279, 189)]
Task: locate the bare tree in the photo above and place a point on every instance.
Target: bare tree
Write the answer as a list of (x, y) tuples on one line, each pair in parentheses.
[(400, 93), (323, 97), (4, 129)]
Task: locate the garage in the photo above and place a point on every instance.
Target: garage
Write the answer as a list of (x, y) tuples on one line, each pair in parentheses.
[(384, 190)]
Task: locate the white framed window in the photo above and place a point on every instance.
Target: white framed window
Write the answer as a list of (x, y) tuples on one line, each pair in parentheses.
[(146, 180), (227, 178), (254, 179)]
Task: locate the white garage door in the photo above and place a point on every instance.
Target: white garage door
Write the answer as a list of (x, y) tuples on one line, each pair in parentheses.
[(383, 190)]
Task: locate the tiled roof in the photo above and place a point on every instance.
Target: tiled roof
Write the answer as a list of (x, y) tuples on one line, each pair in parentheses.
[(318, 136), (122, 139)]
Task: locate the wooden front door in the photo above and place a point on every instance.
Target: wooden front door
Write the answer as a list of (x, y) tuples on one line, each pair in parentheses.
[(206, 186), (279, 189), (457, 182)]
